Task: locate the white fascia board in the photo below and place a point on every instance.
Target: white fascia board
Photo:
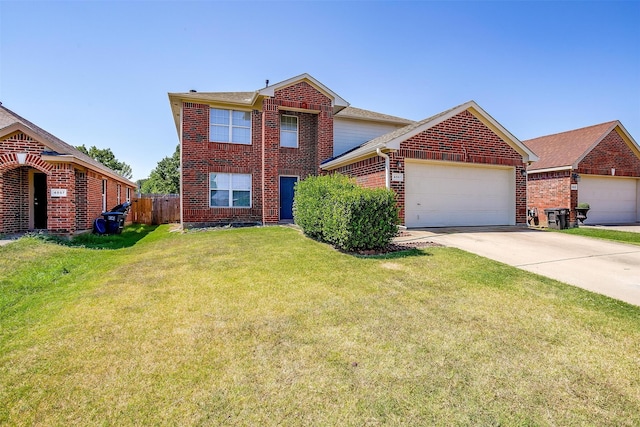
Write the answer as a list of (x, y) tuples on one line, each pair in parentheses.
[(555, 169), (361, 153)]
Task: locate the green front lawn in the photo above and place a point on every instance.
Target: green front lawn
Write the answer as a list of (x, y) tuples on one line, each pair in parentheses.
[(601, 233), (263, 327)]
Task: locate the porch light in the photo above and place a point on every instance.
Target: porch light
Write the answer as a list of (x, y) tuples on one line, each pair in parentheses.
[(22, 158), (523, 172), (575, 177)]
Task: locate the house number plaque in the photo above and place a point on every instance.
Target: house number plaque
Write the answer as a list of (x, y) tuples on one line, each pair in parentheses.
[(58, 192), (397, 177)]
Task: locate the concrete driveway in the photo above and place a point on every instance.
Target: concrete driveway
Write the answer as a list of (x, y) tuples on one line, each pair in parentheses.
[(600, 266)]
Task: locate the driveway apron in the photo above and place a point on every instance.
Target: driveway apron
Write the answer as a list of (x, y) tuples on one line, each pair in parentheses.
[(600, 266)]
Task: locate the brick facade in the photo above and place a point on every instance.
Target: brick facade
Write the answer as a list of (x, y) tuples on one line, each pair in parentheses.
[(553, 189), (550, 190), (461, 138), (611, 152), (64, 215), (264, 158)]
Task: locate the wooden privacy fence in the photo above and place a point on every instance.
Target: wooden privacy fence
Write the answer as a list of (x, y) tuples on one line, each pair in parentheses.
[(156, 209)]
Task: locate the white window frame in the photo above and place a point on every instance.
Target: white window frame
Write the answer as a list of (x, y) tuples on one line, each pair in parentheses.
[(230, 126), (128, 194), (118, 193), (104, 195), (289, 132), (231, 189)]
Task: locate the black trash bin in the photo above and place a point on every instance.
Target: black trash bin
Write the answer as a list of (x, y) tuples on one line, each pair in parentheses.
[(112, 222), (557, 218)]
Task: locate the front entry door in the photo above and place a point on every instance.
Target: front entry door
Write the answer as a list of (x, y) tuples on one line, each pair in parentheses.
[(286, 196), (39, 201)]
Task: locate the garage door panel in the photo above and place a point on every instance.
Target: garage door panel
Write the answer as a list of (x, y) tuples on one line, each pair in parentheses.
[(613, 200), (439, 195)]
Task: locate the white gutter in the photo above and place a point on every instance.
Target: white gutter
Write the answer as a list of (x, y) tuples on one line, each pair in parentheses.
[(387, 168), (556, 169)]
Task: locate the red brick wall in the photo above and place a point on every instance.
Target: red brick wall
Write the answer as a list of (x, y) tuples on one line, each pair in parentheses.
[(550, 190), (368, 173), (611, 152), (201, 157), (15, 201), (462, 138), (81, 200)]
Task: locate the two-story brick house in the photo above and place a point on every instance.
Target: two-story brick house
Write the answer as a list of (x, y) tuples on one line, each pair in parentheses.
[(242, 152), (46, 184)]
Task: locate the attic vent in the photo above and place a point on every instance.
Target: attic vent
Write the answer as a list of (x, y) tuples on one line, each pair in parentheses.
[(192, 90)]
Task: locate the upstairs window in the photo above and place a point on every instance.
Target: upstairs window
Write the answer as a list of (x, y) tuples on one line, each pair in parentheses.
[(289, 131), (230, 126), (230, 190)]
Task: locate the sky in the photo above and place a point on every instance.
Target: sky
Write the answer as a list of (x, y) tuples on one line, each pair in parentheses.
[(98, 72)]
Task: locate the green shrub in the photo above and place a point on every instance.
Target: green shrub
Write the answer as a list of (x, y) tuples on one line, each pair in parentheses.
[(334, 209), (312, 198), (583, 205)]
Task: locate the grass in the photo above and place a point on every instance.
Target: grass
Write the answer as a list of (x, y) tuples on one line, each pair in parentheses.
[(600, 233), (262, 326)]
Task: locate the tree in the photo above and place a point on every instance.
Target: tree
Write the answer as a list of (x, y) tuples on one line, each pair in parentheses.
[(107, 158), (165, 178)]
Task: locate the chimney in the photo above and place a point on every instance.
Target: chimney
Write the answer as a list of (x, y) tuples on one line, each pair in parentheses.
[(266, 83)]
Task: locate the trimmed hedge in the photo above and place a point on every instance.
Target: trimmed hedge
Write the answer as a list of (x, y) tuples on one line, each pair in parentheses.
[(334, 209)]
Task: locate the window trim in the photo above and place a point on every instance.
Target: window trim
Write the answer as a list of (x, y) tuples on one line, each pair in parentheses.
[(231, 189), (104, 195), (288, 131), (230, 126)]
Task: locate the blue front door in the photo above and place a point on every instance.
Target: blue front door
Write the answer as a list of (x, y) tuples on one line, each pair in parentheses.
[(286, 196)]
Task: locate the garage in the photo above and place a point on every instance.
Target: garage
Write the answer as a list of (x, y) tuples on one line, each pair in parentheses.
[(445, 194), (613, 200)]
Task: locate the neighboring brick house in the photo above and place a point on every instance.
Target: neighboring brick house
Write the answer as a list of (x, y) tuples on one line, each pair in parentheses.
[(599, 165), (46, 184), (242, 152)]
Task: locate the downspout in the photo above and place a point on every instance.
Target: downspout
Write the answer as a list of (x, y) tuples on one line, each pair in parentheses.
[(387, 168)]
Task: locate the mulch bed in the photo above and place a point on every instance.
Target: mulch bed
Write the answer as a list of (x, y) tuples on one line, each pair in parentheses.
[(401, 246)]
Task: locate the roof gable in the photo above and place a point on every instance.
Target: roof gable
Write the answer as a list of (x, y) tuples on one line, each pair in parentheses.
[(337, 102), (11, 122), (566, 149), (392, 140)]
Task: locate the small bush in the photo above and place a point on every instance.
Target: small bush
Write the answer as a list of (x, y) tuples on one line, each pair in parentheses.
[(312, 198), (334, 209), (583, 205)]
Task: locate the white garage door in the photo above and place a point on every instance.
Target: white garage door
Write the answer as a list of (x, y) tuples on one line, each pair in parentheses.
[(439, 194), (612, 200)]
